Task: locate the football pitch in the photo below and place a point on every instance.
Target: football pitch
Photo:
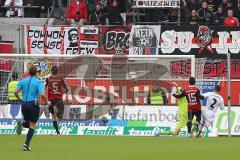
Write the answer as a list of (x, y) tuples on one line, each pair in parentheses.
[(119, 148)]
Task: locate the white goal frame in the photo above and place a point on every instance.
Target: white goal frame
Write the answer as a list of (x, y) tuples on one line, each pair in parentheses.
[(192, 57)]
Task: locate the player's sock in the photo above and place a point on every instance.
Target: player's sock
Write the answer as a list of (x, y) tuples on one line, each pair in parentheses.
[(189, 126), (55, 125), (197, 127), (25, 124), (199, 133), (29, 136)]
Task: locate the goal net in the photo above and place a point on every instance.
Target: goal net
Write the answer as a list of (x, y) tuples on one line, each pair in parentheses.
[(106, 80)]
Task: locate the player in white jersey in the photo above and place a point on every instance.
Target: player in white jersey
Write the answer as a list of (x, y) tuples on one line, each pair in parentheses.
[(214, 101)]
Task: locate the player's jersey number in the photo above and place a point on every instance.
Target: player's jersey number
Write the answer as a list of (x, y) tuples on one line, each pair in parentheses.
[(211, 107), (192, 97), (55, 87)]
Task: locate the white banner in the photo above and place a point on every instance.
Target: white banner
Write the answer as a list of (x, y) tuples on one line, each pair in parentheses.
[(156, 4), (144, 40), (61, 40)]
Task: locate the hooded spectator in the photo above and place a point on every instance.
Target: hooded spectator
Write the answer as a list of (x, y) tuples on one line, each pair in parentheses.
[(204, 14), (15, 8), (114, 15), (218, 16), (97, 16), (231, 21), (77, 12)]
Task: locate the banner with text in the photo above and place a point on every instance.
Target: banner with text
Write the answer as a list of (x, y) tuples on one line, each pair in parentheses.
[(144, 40), (213, 68), (124, 92), (199, 40), (115, 40), (61, 40), (156, 4)]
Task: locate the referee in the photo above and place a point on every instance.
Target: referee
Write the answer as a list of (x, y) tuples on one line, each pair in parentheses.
[(31, 88)]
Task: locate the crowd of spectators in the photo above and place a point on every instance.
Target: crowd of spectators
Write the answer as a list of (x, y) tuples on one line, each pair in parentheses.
[(192, 12)]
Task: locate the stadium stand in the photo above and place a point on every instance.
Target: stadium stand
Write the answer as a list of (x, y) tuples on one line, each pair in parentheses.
[(43, 8)]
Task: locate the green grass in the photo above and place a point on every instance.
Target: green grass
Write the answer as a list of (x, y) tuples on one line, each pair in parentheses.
[(119, 148)]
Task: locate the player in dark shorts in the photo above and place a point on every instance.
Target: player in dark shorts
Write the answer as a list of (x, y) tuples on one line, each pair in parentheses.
[(56, 87), (31, 88), (194, 104), (194, 97)]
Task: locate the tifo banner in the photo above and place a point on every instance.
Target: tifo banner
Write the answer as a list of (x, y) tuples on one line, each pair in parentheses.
[(6, 48), (218, 68), (156, 3), (61, 40), (115, 40), (199, 40), (144, 40), (213, 68)]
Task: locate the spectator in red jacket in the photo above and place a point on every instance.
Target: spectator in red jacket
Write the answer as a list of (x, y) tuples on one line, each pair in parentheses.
[(77, 12), (231, 21)]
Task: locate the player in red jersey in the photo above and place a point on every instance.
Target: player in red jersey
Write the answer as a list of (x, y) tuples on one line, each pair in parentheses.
[(194, 97), (194, 105), (56, 86)]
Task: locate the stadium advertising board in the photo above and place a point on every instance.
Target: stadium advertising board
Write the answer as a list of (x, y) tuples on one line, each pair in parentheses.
[(156, 3), (155, 122), (143, 131), (199, 40), (124, 92), (119, 91), (163, 119), (101, 131), (221, 122), (61, 40), (144, 40), (153, 115)]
